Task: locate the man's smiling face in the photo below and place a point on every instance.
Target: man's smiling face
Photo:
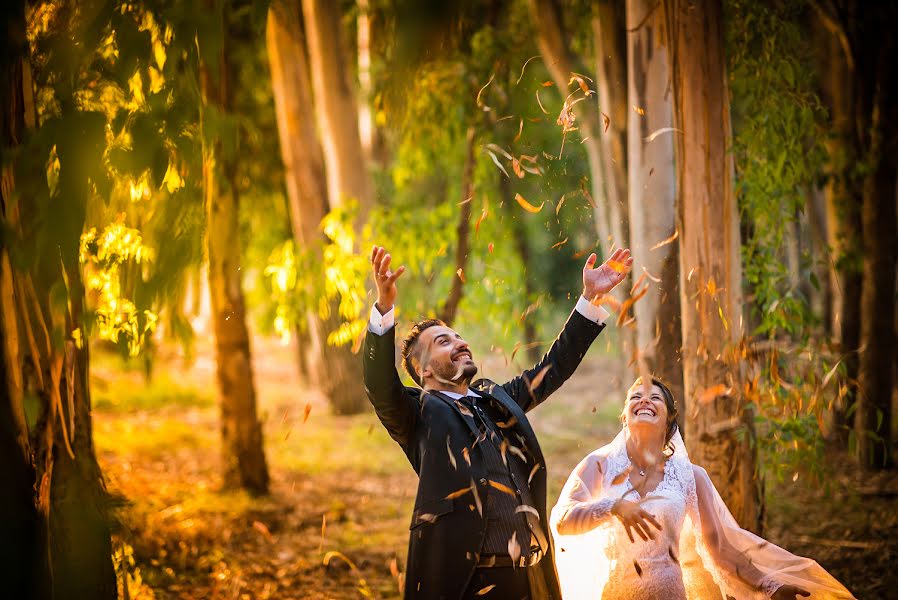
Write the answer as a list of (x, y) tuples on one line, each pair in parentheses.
[(445, 356)]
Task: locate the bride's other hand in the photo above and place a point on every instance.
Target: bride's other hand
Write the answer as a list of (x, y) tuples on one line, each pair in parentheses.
[(633, 516), (789, 592)]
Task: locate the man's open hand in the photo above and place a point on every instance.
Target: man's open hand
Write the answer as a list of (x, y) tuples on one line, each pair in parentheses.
[(384, 278), (599, 281)]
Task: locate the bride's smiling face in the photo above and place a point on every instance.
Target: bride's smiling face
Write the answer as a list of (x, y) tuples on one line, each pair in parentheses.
[(645, 410)]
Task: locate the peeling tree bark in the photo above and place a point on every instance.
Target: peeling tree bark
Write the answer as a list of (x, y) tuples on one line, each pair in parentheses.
[(652, 191), (338, 121), (719, 428), (334, 370)]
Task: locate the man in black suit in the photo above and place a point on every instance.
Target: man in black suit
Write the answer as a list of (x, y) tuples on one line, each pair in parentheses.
[(479, 526)]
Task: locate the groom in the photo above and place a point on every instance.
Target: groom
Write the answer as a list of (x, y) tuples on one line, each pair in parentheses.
[(479, 526)]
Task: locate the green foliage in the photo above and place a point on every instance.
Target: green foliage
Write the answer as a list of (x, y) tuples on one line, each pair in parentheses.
[(778, 133)]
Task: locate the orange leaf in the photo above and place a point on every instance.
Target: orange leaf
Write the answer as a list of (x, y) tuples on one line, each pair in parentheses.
[(667, 241), (560, 244), (548, 83), (263, 529), (501, 487), (306, 411), (620, 477), (526, 205), (490, 247), (461, 274), (520, 131), (457, 493), (711, 393), (486, 590)]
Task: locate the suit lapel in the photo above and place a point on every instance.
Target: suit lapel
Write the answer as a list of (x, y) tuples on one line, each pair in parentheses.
[(499, 393), (468, 419)]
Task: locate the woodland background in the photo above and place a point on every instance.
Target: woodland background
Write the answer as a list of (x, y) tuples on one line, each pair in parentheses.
[(190, 189)]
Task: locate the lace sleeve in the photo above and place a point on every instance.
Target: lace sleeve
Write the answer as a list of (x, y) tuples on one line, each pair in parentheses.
[(580, 507)]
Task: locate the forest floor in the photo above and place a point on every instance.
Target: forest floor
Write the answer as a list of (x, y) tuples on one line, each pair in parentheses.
[(336, 522)]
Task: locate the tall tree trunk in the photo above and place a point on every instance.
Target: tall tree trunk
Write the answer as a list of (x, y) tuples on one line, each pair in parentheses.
[(609, 29), (553, 45), (843, 221), (242, 452), (880, 242), (719, 427), (56, 543), (20, 527), (652, 191), (334, 369), (335, 103), (449, 309)]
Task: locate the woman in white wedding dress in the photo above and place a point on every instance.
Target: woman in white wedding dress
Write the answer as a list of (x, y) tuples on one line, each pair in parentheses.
[(638, 521)]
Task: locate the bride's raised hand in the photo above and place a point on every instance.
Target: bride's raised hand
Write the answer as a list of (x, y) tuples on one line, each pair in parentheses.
[(633, 516)]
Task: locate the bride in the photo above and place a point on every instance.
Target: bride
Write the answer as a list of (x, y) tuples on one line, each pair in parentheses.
[(637, 520)]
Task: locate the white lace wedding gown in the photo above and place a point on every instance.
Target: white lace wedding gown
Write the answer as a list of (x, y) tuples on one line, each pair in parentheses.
[(700, 553)]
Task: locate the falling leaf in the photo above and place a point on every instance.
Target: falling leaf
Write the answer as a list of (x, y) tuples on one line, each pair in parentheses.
[(622, 476), (506, 424), (476, 498), (451, 456), (560, 244), (560, 202), (520, 131), (607, 121), (538, 101), (712, 287), (532, 473), (466, 455), (529, 509), (524, 67), (503, 448), (427, 517), (580, 80), (639, 111), (461, 274), (516, 167), (486, 590), (667, 241), (548, 83), (538, 378), (655, 134), (483, 214), (709, 394), (517, 452), (463, 409), (466, 200), (394, 568), (527, 206), (650, 276), (284, 418), (498, 164), (263, 529), (673, 557), (457, 493), (514, 548), (501, 487), (625, 307), (830, 374), (637, 567), (490, 247), (483, 88), (306, 411)]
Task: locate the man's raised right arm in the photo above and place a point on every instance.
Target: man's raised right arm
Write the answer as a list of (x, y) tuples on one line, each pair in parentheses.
[(395, 407)]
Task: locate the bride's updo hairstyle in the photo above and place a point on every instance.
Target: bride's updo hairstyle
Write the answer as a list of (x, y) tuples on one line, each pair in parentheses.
[(671, 404)]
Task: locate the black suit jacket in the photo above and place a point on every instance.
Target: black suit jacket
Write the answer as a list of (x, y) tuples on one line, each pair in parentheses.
[(446, 535)]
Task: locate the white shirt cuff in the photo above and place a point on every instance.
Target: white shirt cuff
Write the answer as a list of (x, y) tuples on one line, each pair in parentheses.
[(596, 314), (379, 324)]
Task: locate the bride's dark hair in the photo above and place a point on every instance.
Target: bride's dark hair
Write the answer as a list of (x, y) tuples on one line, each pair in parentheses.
[(670, 402)]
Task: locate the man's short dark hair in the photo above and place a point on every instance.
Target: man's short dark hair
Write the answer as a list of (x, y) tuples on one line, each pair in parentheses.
[(410, 352)]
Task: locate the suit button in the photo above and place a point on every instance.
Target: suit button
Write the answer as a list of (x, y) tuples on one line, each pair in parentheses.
[(482, 481)]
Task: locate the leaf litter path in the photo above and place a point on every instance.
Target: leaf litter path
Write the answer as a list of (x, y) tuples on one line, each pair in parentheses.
[(341, 488)]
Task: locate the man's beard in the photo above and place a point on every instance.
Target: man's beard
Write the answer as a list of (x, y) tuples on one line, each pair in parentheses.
[(455, 375)]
